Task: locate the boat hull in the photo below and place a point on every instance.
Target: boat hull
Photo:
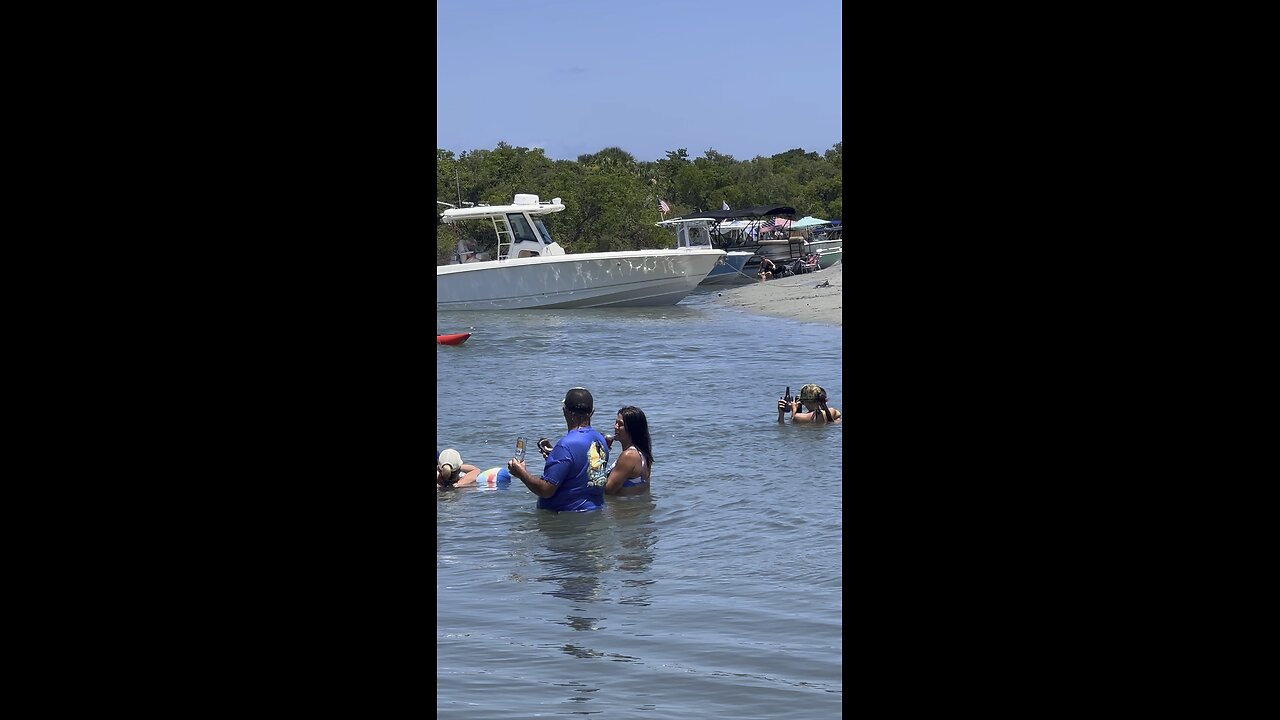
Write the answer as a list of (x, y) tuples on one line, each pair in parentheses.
[(821, 245), (453, 339), (729, 270), (640, 278)]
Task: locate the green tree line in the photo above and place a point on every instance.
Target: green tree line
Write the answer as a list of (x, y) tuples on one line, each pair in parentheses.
[(611, 199)]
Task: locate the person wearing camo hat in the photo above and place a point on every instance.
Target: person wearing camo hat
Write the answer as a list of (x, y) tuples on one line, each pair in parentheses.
[(812, 397)]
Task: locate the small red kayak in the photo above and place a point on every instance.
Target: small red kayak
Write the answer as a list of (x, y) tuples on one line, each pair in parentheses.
[(455, 339)]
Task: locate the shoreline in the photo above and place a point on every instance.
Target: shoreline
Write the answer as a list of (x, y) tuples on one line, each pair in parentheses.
[(793, 297)]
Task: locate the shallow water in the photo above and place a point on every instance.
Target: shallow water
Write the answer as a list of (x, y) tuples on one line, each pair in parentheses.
[(717, 595)]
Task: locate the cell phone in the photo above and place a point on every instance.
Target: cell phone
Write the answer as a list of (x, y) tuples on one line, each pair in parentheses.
[(520, 448)]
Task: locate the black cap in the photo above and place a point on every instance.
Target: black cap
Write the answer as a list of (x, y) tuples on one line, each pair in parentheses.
[(579, 401)]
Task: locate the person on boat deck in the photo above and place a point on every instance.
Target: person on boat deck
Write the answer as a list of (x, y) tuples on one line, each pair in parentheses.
[(767, 269), (630, 474), (574, 474), (465, 252), (451, 472), (814, 398)]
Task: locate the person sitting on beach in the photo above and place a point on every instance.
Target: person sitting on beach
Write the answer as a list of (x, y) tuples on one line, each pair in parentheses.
[(767, 269), (630, 474), (815, 399), (451, 472)]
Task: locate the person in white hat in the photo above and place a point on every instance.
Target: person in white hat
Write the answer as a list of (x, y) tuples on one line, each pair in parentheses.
[(450, 470), (466, 474)]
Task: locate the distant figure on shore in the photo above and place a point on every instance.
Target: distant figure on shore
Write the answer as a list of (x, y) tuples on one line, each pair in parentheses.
[(814, 398), (630, 474), (574, 475), (767, 269)]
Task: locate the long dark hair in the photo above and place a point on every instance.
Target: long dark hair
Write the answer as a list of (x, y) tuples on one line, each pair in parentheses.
[(822, 405), (637, 426)]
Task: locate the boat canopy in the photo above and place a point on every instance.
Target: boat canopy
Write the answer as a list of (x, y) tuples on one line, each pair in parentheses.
[(754, 212), (524, 203), (809, 221), (684, 221)]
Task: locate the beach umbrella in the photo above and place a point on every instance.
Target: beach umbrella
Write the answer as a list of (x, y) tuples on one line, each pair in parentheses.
[(809, 221)]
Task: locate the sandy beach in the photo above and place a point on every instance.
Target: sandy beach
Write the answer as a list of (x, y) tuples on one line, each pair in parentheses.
[(794, 297)]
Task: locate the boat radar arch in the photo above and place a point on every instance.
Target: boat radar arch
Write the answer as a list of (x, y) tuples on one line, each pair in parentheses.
[(529, 199)]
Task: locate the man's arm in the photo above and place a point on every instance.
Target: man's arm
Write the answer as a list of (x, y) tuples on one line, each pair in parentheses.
[(536, 485), (469, 475)]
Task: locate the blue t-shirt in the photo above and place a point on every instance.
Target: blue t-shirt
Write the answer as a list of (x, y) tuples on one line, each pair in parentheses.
[(576, 466)]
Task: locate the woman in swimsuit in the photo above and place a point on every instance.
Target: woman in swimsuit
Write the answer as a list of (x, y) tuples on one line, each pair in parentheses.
[(630, 474)]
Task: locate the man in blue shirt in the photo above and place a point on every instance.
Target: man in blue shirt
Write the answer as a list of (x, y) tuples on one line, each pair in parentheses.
[(574, 474)]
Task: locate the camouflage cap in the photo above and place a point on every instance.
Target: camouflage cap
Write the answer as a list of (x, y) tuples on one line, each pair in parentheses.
[(811, 392)]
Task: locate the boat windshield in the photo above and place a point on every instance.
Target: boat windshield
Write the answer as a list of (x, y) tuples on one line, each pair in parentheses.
[(542, 228), (520, 228)]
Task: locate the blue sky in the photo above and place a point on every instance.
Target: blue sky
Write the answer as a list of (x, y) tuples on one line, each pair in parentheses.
[(742, 77)]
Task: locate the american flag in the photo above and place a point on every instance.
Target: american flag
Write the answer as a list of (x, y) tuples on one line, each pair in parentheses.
[(769, 225), (663, 206)]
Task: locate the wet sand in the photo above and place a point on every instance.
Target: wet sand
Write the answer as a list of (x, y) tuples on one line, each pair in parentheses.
[(794, 297)]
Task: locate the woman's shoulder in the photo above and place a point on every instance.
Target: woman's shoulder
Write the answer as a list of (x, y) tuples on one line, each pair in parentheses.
[(631, 457)]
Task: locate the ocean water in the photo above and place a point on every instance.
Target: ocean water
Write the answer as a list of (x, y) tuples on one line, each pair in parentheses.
[(718, 595)]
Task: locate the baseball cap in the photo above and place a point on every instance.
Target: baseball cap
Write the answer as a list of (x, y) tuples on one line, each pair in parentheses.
[(451, 458), (579, 401)]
